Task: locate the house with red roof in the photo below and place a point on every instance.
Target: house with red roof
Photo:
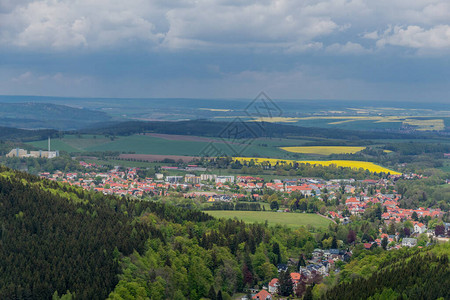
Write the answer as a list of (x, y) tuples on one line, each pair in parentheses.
[(295, 277), (420, 228), (369, 246), (262, 295), (273, 286), (352, 201)]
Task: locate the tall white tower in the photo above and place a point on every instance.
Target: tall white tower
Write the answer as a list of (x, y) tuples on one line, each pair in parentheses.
[(49, 145)]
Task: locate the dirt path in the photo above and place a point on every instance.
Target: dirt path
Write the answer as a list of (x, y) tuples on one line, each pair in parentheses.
[(326, 218)]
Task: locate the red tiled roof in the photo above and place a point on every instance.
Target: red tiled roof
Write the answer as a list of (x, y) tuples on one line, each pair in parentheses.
[(273, 282), (262, 295), (295, 276)]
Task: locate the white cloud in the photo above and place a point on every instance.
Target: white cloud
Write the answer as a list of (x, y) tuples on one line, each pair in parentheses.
[(347, 48), (39, 83), (76, 24), (182, 24), (437, 37), (23, 77), (287, 25), (276, 23)]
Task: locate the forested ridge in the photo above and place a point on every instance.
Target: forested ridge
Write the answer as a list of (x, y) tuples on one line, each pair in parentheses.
[(403, 274), (15, 134), (55, 237)]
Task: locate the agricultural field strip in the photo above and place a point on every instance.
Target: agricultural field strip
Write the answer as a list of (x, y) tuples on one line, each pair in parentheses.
[(323, 150), (338, 163), (429, 123)]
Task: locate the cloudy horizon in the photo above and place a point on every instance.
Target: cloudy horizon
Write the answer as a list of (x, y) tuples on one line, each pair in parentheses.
[(331, 49)]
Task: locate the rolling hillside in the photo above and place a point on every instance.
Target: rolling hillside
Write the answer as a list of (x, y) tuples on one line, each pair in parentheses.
[(32, 115)]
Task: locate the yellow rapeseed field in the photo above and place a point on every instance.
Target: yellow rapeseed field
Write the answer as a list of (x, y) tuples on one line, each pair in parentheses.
[(323, 150), (338, 163)]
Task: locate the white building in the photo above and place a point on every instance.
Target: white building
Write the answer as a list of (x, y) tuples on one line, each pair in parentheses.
[(206, 177), (36, 154), (224, 179), (409, 242), (420, 228)]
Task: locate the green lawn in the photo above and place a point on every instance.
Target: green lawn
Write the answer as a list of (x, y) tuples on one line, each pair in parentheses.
[(124, 163), (56, 144), (292, 220), (142, 144)]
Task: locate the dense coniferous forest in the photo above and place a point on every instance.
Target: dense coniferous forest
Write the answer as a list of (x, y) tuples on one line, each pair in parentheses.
[(58, 238), (404, 274), (51, 244)]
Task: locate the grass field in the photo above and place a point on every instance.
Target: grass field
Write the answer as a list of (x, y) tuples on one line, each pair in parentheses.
[(142, 144), (291, 220), (124, 163), (323, 150)]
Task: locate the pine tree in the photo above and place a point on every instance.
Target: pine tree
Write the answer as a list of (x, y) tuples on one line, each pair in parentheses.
[(276, 251), (286, 286), (334, 243), (301, 262), (384, 242), (212, 293), (219, 296)]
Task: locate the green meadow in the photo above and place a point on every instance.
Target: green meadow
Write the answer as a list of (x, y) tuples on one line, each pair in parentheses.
[(142, 144), (291, 220)]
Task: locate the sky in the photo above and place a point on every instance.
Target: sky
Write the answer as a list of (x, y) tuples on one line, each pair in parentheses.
[(370, 50)]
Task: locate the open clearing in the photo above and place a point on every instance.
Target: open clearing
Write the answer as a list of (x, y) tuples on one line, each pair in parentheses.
[(323, 150), (291, 220)]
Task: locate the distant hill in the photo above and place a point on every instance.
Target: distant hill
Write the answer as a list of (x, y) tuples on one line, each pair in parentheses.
[(24, 135), (45, 115), (243, 130), (384, 116)]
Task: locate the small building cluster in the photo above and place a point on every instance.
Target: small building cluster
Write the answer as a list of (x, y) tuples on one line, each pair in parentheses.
[(36, 154)]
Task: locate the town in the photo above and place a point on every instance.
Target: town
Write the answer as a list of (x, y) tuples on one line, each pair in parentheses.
[(401, 227)]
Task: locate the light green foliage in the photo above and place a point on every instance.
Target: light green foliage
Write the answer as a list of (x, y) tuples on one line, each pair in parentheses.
[(292, 220), (180, 268), (386, 294), (422, 240), (67, 296)]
